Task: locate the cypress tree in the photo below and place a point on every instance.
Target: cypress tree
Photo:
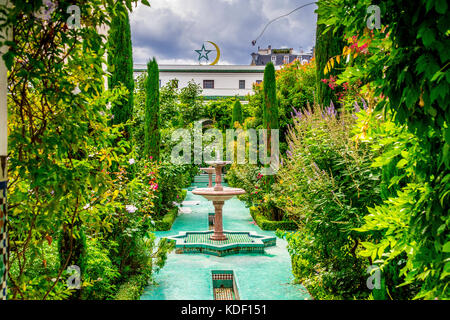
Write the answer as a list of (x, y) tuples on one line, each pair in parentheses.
[(120, 63), (152, 134), (327, 46), (237, 113), (270, 111)]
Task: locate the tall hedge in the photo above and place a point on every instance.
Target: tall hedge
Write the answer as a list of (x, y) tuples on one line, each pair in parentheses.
[(152, 119), (120, 63), (237, 113), (328, 45)]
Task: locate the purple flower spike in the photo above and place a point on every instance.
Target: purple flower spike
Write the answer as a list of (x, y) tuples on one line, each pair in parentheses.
[(357, 108), (364, 104)]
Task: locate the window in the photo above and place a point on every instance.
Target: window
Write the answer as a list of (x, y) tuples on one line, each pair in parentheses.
[(160, 83), (241, 84), (286, 59), (208, 84), (274, 59)]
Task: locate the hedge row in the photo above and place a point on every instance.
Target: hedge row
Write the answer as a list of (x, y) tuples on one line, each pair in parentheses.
[(268, 225), (133, 288), (167, 221)]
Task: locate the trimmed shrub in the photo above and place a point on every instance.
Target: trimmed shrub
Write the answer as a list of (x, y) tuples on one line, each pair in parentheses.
[(237, 114), (269, 225), (167, 221)]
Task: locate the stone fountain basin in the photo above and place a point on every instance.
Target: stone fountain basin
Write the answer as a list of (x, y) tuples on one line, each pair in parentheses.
[(209, 170), (218, 163), (213, 195)]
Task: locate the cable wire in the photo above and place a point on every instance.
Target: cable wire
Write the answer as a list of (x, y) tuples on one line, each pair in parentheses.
[(280, 17)]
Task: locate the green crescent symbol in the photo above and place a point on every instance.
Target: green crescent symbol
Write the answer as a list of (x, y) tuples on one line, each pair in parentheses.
[(218, 53)]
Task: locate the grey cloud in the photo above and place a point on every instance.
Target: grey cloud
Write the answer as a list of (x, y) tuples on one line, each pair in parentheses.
[(173, 29)]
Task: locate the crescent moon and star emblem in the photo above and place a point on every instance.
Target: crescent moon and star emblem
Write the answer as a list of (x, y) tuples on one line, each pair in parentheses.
[(203, 53)]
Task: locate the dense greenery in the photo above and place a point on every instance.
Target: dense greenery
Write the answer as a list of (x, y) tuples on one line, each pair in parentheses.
[(364, 182), (403, 68), (73, 188), (328, 45), (368, 184)]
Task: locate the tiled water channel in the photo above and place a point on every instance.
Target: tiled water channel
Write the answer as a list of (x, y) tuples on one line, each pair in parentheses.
[(265, 276)]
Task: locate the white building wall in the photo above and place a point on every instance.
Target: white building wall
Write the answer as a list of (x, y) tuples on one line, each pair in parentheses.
[(226, 78)]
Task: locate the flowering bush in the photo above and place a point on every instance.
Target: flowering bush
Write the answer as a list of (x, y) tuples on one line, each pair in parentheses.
[(324, 185)]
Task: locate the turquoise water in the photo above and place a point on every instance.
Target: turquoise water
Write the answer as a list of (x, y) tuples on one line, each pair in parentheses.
[(258, 277)]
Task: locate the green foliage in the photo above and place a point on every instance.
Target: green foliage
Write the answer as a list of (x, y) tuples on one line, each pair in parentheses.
[(407, 62), (152, 120), (167, 221), (270, 225), (120, 63), (101, 273), (237, 114), (325, 184), (328, 44), (132, 289), (295, 89), (69, 187)]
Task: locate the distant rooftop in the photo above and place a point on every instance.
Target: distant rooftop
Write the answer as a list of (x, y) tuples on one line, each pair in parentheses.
[(278, 56)]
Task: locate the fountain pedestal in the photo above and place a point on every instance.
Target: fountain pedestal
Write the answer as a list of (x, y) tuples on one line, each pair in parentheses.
[(218, 195), (218, 224), (218, 199)]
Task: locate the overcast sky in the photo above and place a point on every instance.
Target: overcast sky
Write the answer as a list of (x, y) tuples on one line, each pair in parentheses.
[(171, 30)]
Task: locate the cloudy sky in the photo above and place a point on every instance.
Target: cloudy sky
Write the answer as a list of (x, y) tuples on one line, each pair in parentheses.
[(171, 30)]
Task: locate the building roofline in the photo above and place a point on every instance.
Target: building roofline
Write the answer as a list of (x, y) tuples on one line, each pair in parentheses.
[(204, 68)]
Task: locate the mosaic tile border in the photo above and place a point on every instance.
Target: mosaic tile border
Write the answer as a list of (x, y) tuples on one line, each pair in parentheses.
[(3, 228), (257, 244)]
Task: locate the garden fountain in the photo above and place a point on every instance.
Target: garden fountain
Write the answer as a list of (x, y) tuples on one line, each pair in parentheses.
[(218, 195), (219, 242)]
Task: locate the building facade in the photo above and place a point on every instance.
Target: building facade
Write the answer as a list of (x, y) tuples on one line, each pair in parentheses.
[(278, 57), (218, 81)]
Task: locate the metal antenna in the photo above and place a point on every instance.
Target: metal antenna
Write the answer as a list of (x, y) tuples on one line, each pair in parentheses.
[(280, 17)]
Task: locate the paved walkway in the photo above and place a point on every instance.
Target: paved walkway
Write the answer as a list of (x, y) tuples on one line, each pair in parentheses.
[(258, 277)]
